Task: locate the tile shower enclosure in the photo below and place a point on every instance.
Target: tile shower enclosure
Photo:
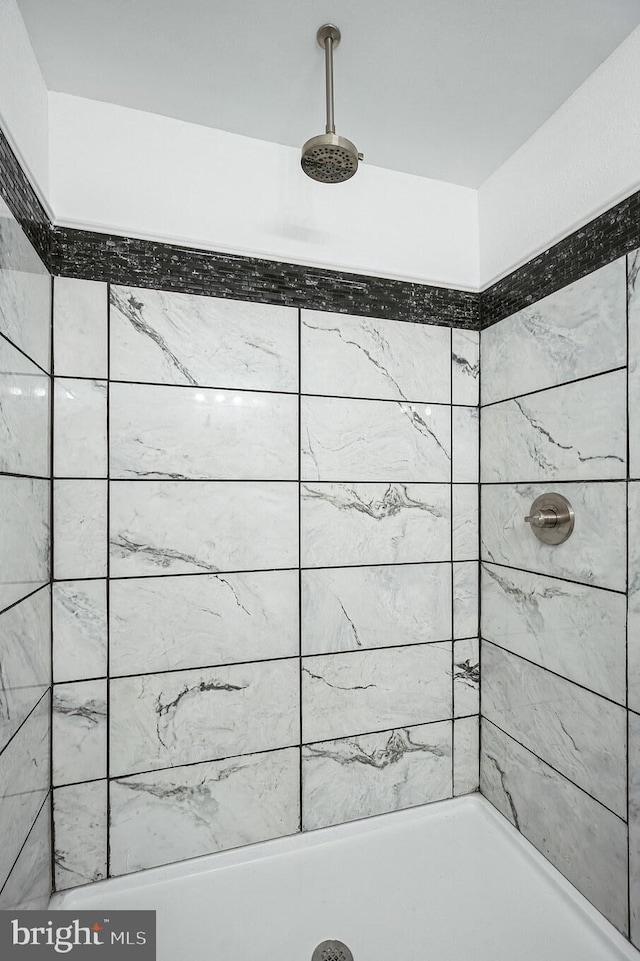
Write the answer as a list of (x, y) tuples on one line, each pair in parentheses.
[(262, 518)]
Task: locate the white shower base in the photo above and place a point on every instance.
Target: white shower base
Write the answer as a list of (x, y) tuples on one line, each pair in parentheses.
[(452, 881)]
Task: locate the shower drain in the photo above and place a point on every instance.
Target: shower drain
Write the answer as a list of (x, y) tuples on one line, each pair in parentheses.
[(332, 951)]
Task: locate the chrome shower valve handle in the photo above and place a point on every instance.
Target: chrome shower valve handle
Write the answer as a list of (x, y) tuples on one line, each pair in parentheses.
[(551, 518)]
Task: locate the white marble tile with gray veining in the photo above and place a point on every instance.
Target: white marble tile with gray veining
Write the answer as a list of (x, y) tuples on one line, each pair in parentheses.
[(202, 620), (173, 527), (465, 366), (577, 732), (571, 629), (24, 414), (466, 755), (373, 440), (25, 292), (80, 327), (573, 432), (466, 444), (80, 831), (353, 608), (174, 338), (24, 783), (371, 774), (465, 522), (79, 731), (375, 523), (366, 691), (369, 357), (465, 599), (182, 432), (634, 825), (79, 630), (164, 720), (595, 552), (575, 332), (634, 596), (185, 812), (25, 660), (80, 528), (581, 838), (28, 887), (24, 547), (466, 677), (80, 428), (633, 294)]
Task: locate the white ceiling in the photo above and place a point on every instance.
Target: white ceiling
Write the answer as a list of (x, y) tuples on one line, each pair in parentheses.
[(439, 88)]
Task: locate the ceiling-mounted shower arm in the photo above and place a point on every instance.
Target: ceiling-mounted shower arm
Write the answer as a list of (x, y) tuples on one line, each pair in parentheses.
[(329, 38)]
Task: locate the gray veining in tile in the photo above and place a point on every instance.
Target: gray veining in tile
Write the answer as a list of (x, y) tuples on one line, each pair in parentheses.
[(25, 664), (80, 830), (79, 630), (79, 731), (466, 677), (465, 366)]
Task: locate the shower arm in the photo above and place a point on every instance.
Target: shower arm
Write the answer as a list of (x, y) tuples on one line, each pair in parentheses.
[(328, 69)]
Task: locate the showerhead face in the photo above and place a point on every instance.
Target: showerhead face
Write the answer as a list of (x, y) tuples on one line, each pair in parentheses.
[(329, 159)]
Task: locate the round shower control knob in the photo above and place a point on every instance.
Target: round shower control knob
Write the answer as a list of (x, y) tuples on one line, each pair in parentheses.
[(551, 518)]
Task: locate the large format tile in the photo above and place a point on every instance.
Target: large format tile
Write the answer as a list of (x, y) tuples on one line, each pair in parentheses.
[(595, 552), (373, 440), (466, 444), (367, 357), (79, 630), (79, 731), (24, 547), (633, 294), (634, 596), (80, 327), (188, 811), (465, 599), (24, 414), (163, 720), (375, 523), (573, 432), (28, 887), (466, 755), (179, 432), (80, 831), (202, 620), (465, 366), (24, 783), (574, 332), (634, 825), (578, 733), (466, 677), (80, 528), (574, 630), (359, 777), (465, 522), (80, 428), (348, 608), (25, 292), (170, 527), (581, 838), (366, 691), (172, 338), (25, 660)]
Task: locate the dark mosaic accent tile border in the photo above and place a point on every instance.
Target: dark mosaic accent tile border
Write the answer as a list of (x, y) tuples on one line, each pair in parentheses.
[(144, 263), (607, 237), (23, 202)]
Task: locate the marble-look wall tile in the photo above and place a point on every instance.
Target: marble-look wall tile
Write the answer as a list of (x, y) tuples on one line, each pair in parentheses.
[(164, 720), (466, 677), (172, 338), (25, 661), (80, 528), (571, 629), (24, 783), (24, 546), (634, 825), (80, 428), (28, 887), (465, 366), (372, 440), (79, 731), (581, 838), (25, 292), (573, 432), (80, 832), (359, 777), (595, 553), (466, 444), (171, 527), (24, 414), (465, 599), (202, 620), (366, 357), (366, 691), (178, 432), (634, 596), (79, 630), (189, 811), (578, 733), (346, 609), (374, 523), (80, 327), (574, 332), (465, 522), (633, 295), (466, 755)]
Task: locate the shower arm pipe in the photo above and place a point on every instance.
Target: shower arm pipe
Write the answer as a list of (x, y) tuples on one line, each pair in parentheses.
[(328, 69)]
